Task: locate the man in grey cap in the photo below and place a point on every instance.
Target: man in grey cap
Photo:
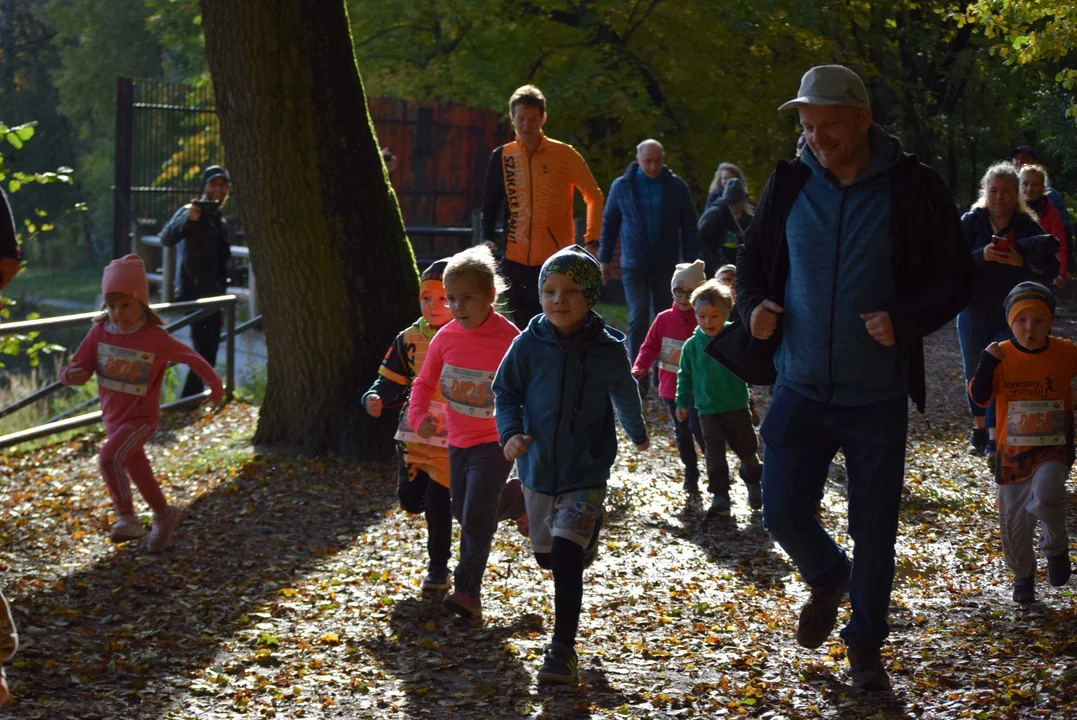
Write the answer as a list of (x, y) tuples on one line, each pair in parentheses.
[(856, 253)]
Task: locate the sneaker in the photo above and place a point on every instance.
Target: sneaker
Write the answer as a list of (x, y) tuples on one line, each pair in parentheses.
[(1024, 590), (991, 454), (1059, 569), (164, 523), (464, 605), (691, 480), (819, 615), (978, 442), (719, 506), (867, 670), (127, 527), (436, 580), (561, 665), (523, 524), (591, 551), (755, 496)]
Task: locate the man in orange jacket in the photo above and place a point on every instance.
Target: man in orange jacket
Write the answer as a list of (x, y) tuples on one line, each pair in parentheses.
[(530, 185)]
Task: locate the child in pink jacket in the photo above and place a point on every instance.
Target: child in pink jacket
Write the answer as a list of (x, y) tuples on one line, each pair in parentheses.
[(129, 352), (664, 340)]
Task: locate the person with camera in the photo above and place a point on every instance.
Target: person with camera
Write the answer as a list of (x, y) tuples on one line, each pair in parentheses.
[(200, 233)]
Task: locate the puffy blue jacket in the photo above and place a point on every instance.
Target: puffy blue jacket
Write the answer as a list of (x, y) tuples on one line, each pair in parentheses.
[(623, 216), (560, 392)]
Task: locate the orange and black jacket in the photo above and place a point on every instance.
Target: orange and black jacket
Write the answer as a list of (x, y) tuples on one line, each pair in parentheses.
[(534, 196)]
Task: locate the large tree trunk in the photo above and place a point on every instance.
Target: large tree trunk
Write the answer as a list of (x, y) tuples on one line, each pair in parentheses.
[(336, 273)]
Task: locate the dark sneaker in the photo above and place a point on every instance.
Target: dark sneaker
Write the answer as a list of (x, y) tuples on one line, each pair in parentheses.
[(978, 442), (755, 496), (991, 454), (1024, 590), (436, 580), (867, 670), (719, 506), (819, 615), (691, 480), (1059, 569), (561, 665), (464, 605), (591, 551)]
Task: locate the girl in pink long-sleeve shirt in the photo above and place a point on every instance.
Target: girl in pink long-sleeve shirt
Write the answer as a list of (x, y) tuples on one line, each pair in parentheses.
[(129, 351), (462, 359)]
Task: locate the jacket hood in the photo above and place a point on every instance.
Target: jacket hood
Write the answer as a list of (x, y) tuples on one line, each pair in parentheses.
[(594, 330), (886, 152)]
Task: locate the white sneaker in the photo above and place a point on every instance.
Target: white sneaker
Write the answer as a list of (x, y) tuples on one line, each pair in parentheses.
[(164, 523), (127, 527)]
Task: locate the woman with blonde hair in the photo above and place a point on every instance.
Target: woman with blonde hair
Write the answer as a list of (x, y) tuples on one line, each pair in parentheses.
[(1034, 185), (1008, 247), (725, 172), (725, 219)]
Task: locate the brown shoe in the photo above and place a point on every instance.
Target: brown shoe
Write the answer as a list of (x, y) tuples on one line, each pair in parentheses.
[(819, 615), (867, 670), (464, 605)]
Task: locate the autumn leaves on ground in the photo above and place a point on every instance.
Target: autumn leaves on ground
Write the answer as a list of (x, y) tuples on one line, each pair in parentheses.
[(293, 591)]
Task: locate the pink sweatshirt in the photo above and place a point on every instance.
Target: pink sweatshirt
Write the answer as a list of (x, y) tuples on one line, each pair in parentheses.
[(130, 368), (463, 362), (664, 340)]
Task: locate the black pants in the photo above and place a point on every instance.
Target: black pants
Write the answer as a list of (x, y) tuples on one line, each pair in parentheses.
[(523, 292), (205, 338), (425, 495), (686, 434), (735, 428)]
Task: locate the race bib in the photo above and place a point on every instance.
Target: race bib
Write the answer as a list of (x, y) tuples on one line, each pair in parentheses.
[(124, 370), (1036, 423), (669, 357), (440, 438), (468, 392)]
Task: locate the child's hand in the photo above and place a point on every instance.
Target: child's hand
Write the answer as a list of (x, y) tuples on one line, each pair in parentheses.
[(427, 428), (373, 405), (639, 373), (215, 399), (76, 376), (516, 446), (995, 350), (643, 446), (682, 415)]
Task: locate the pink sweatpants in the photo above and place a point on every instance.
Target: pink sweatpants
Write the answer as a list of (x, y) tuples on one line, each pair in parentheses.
[(122, 460)]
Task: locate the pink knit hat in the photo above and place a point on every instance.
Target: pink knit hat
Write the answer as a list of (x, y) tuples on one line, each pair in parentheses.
[(128, 276)]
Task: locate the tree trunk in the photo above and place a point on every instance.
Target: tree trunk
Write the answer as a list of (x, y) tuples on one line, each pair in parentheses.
[(336, 273)]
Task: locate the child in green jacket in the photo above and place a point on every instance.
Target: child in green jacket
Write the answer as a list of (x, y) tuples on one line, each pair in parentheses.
[(722, 401)]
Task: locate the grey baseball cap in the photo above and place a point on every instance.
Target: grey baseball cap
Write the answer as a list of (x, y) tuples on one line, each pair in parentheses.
[(830, 85)]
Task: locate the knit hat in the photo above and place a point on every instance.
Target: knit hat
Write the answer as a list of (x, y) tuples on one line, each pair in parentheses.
[(433, 277), (214, 171), (1028, 295), (689, 272), (580, 266), (128, 276), (734, 191)]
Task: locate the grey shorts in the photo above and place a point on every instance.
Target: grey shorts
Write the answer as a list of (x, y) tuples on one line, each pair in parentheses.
[(570, 515)]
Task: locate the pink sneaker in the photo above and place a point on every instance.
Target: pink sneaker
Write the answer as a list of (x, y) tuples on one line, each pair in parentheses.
[(469, 606), (164, 523), (127, 527)]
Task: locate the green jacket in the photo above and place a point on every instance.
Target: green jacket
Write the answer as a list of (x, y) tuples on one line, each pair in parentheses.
[(705, 381)]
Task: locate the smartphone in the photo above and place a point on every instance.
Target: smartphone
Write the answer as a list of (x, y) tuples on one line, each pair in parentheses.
[(204, 205), (1002, 244)]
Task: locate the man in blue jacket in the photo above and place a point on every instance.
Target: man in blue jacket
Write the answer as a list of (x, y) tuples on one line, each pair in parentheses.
[(856, 253), (651, 210)]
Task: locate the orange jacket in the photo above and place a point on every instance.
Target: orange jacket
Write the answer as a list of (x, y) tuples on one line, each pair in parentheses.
[(534, 195)]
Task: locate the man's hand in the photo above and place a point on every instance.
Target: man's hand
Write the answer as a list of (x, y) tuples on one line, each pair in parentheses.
[(880, 327), (682, 415), (373, 405), (516, 446), (644, 446), (994, 350), (194, 213), (607, 273), (9, 268), (765, 319), (592, 247), (427, 428), (77, 376)]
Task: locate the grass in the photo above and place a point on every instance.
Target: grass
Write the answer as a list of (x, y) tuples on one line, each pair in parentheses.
[(82, 284), (615, 315)]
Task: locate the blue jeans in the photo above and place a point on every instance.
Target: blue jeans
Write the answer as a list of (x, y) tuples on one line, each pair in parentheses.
[(476, 480), (802, 436), (974, 337), (647, 293)]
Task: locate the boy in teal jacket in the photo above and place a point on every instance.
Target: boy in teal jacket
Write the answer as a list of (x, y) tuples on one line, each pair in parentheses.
[(553, 396), (722, 401)]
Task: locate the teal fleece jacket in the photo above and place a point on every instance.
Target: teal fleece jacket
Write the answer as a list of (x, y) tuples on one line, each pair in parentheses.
[(705, 381), (563, 394)]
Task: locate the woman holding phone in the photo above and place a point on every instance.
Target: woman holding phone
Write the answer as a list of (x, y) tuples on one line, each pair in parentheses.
[(1008, 247), (200, 232)]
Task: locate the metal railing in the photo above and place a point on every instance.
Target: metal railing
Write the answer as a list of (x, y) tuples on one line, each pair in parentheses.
[(195, 310)]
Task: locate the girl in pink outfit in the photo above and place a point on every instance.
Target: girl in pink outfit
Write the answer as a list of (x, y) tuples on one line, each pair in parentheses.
[(664, 340), (462, 359), (129, 352)]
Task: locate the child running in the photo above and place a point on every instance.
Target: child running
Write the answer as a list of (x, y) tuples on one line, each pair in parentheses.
[(424, 462), (1029, 379), (722, 401), (553, 390), (130, 352), (664, 341), (461, 361)]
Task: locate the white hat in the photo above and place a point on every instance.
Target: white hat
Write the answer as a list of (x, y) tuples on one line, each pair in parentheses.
[(689, 272), (830, 85)]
